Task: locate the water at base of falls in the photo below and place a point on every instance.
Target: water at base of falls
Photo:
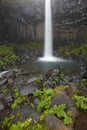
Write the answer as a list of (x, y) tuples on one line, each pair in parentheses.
[(50, 59)]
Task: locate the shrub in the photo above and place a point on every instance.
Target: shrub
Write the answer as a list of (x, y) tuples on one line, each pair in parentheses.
[(81, 102), (7, 55)]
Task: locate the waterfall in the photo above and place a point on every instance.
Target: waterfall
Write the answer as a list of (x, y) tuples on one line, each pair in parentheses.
[(48, 48), (48, 39)]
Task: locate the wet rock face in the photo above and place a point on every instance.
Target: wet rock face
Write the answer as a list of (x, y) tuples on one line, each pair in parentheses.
[(24, 20)]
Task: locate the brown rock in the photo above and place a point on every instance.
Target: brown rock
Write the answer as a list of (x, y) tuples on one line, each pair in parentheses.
[(55, 124)]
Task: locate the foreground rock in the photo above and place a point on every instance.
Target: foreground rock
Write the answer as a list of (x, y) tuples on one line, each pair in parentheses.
[(55, 124), (27, 84), (28, 90), (62, 98)]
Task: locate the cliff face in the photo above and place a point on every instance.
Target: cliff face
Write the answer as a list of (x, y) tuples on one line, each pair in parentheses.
[(23, 20)]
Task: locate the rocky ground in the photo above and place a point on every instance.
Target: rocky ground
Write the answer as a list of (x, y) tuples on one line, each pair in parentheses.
[(25, 84)]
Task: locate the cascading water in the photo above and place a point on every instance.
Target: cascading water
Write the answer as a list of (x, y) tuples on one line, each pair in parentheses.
[(48, 51), (48, 46)]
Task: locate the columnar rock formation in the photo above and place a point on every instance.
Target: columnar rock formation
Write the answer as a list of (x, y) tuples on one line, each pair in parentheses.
[(23, 20)]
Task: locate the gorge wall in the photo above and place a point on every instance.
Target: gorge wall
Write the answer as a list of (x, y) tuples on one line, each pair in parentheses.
[(23, 20)]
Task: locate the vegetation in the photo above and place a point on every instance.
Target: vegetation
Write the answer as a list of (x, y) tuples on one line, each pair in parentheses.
[(45, 106), (19, 99), (38, 80), (81, 102), (28, 124), (84, 82), (31, 46), (59, 89), (71, 51), (7, 55)]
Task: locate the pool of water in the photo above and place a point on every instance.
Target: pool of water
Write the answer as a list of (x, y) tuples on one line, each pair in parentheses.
[(37, 67)]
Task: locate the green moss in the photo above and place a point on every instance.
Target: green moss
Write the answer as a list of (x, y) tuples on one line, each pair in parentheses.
[(59, 89), (7, 55), (31, 46), (78, 50)]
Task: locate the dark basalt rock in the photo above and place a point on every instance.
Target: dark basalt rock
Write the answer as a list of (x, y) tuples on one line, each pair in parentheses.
[(28, 90), (29, 112), (63, 99)]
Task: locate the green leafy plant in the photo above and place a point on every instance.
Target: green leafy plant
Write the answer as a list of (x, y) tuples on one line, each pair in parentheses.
[(19, 99), (7, 122), (59, 111), (7, 55), (21, 125), (38, 80), (44, 106), (28, 124), (81, 102), (45, 96)]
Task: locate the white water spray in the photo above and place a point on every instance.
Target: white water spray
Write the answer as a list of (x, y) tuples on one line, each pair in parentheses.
[(48, 45)]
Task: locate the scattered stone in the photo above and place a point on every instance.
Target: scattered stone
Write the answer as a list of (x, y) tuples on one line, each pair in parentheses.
[(52, 72), (49, 84), (10, 82), (67, 79), (84, 74), (7, 97), (56, 72), (31, 80), (1, 106), (36, 101), (2, 82), (2, 74)]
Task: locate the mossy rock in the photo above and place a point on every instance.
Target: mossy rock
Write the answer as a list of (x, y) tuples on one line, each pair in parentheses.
[(59, 89)]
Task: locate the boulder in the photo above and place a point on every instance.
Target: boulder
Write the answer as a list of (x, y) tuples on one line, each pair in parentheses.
[(55, 124), (29, 112), (27, 90), (62, 98)]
